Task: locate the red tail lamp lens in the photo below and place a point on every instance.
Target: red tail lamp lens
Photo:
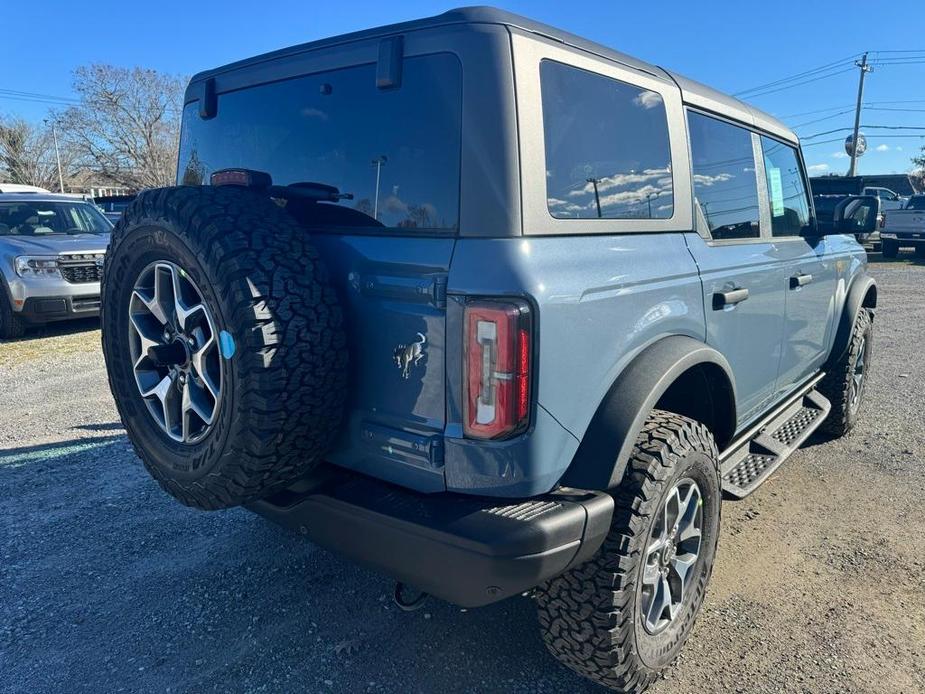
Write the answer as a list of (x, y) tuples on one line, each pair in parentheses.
[(498, 343)]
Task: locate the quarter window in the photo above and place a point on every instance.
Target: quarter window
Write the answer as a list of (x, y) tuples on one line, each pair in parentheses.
[(607, 148), (725, 184), (786, 189)]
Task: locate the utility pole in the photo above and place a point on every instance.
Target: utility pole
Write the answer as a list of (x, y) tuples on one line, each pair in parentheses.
[(865, 68), (597, 198), (54, 134), (378, 162)]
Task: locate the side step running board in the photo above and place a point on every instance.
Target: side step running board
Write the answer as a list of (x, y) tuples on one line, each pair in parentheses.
[(749, 465)]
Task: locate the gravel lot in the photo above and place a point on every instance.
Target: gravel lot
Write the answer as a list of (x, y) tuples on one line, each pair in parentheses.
[(106, 584)]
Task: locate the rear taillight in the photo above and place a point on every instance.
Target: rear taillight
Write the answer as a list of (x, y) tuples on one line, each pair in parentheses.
[(498, 357)]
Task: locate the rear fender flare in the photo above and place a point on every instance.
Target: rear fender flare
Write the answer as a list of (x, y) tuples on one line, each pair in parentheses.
[(862, 287), (608, 442)]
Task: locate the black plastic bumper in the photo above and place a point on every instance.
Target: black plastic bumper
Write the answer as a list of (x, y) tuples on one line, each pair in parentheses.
[(43, 309), (465, 550)]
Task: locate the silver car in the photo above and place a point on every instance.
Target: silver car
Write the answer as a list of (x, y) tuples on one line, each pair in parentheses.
[(51, 259)]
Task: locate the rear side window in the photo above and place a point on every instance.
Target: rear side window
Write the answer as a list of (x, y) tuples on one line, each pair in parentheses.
[(395, 151), (786, 188), (916, 202), (607, 148), (725, 184)]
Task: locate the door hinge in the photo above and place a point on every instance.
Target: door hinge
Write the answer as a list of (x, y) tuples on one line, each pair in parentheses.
[(439, 291), (436, 451)]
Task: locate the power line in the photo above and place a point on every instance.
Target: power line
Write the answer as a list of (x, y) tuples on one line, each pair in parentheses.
[(817, 120), (798, 75), (755, 95), (838, 139), (866, 104), (865, 127)]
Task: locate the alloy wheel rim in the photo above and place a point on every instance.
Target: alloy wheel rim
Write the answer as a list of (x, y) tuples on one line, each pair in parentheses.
[(857, 375), (173, 345), (671, 556)]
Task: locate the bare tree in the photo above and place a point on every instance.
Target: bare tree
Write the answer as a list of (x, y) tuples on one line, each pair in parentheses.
[(918, 172), (27, 154), (127, 125)]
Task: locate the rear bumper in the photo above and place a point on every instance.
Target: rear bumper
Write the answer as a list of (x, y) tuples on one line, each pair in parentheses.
[(466, 550), (903, 238)]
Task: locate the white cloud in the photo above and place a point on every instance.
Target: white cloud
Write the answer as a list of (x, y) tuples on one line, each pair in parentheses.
[(818, 168), (839, 155), (705, 180), (648, 100), (883, 148), (898, 149)]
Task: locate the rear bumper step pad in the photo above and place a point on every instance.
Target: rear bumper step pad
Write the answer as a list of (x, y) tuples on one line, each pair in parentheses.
[(470, 551), (755, 461)]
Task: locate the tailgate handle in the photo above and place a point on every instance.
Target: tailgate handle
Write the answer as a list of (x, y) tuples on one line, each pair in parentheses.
[(735, 296), (801, 280)]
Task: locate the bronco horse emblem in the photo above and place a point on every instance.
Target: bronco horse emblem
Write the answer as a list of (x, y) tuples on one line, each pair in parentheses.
[(407, 356)]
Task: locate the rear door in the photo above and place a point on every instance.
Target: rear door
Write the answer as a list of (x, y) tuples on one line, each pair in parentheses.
[(810, 263), (742, 275), (393, 291)]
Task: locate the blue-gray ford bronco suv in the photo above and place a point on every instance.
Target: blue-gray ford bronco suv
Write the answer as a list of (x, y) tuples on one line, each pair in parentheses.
[(493, 310)]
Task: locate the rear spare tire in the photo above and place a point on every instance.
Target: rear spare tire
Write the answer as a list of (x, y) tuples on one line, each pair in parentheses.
[(223, 342)]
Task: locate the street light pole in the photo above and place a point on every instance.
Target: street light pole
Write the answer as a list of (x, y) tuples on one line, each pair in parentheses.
[(54, 134), (865, 68), (649, 197), (378, 162)]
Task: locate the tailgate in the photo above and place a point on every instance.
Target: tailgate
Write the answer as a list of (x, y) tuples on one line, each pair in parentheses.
[(393, 291), (905, 222)]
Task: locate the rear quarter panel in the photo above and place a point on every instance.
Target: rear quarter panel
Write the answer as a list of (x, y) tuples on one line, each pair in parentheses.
[(599, 301)]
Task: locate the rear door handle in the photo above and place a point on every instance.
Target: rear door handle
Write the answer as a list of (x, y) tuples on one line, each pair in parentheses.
[(722, 300), (801, 280)]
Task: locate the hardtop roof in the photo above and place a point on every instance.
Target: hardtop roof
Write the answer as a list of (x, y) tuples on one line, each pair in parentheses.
[(43, 197), (693, 92)]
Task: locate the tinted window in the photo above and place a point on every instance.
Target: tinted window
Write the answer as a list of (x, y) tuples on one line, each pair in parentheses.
[(337, 128), (786, 190), (916, 202), (725, 185), (607, 151)]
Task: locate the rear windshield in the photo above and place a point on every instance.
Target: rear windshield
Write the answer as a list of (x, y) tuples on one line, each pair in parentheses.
[(395, 151), (44, 218)]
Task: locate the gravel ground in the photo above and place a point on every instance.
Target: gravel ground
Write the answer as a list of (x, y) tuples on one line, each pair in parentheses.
[(106, 584)]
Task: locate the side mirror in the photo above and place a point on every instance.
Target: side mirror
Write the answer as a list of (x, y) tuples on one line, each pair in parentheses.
[(856, 215)]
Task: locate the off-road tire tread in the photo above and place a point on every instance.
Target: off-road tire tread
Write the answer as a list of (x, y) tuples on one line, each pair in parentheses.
[(290, 358), (836, 384), (587, 614)]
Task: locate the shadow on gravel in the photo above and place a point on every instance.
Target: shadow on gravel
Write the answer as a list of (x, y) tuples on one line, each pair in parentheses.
[(105, 426), (17, 457), (69, 327), (107, 584), (904, 258)]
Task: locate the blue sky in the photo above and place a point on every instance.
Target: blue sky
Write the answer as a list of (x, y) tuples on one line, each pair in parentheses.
[(731, 46)]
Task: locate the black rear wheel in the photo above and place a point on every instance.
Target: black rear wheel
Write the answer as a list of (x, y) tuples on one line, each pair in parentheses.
[(845, 381), (224, 343), (11, 325), (621, 618), (890, 249)]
